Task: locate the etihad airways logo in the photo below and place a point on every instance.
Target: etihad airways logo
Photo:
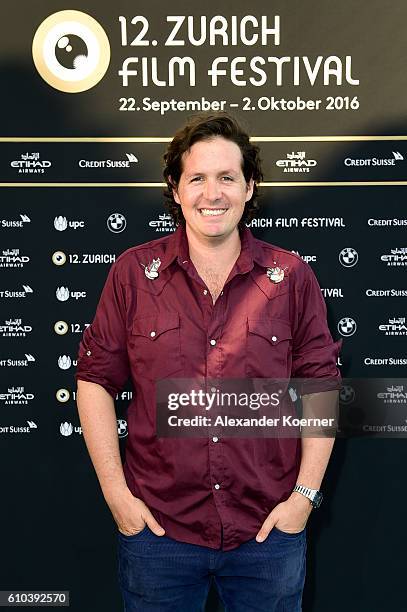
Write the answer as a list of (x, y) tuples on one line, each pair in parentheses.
[(395, 394), (164, 223), (396, 257), (30, 163), (16, 396), (394, 327), (14, 328), (11, 258), (296, 162)]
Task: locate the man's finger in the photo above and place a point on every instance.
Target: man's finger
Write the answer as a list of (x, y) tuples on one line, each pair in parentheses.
[(266, 528), (153, 524)]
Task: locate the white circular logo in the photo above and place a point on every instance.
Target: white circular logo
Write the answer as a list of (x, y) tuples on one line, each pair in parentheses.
[(61, 328), (116, 222), (71, 51), (121, 428), (347, 394), (348, 257), (347, 326), (63, 395), (59, 258)]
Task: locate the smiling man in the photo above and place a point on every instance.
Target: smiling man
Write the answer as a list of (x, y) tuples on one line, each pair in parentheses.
[(210, 302), (212, 192)]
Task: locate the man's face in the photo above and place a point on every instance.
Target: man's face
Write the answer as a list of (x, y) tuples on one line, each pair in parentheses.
[(212, 190)]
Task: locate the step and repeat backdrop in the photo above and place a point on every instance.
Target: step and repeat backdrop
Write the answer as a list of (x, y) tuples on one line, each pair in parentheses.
[(91, 94)]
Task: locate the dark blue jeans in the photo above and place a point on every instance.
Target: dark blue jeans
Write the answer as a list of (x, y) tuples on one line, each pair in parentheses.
[(160, 574)]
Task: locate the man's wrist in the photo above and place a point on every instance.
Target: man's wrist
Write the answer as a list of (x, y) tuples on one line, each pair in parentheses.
[(301, 500), (314, 496), (112, 493)]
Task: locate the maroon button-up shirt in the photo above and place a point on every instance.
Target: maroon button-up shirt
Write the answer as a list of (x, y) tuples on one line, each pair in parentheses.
[(149, 329)]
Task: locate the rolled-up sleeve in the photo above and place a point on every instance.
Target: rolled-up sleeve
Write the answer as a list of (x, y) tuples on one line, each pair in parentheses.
[(315, 353), (102, 355)]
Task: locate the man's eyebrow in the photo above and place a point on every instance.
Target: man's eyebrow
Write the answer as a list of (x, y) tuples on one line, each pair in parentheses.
[(221, 172)]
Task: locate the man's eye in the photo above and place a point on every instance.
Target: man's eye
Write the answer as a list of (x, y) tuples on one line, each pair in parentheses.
[(227, 178), (196, 179)]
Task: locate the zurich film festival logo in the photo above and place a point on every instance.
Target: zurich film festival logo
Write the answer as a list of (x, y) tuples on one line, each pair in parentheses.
[(71, 51)]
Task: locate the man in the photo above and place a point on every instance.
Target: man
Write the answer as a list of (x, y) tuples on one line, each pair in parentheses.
[(207, 301)]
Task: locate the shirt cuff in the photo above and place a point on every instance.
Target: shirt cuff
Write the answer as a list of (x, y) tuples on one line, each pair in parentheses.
[(97, 365)]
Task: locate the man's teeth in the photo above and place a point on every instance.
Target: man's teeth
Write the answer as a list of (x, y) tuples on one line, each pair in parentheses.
[(212, 211)]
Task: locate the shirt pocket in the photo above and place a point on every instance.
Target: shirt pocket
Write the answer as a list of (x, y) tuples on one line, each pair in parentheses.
[(155, 345), (268, 349)]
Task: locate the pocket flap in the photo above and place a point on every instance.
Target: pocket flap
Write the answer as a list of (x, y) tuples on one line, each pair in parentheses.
[(274, 330), (152, 327)]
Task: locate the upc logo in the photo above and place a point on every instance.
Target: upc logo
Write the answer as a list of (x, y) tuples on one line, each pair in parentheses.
[(62, 294), (60, 223)]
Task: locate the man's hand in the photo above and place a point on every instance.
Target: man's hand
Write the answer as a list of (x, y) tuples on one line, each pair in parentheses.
[(131, 514), (290, 516)]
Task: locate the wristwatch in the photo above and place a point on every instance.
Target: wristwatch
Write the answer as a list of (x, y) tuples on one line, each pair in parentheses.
[(313, 495)]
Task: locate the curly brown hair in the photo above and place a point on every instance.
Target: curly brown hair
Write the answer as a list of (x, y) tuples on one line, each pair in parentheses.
[(206, 127)]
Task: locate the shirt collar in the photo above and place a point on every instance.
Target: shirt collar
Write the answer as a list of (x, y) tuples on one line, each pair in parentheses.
[(250, 251)]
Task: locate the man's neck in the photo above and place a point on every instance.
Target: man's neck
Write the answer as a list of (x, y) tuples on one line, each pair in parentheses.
[(216, 251)]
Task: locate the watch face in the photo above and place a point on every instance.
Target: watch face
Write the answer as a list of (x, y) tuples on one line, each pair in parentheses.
[(316, 502)]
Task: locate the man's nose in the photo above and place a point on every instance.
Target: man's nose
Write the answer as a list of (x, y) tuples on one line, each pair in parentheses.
[(212, 190)]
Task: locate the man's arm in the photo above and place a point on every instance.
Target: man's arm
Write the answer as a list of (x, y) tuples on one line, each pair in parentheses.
[(98, 420), (292, 515), (314, 461)]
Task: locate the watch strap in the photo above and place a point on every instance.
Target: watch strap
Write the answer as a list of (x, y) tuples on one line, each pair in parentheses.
[(314, 496)]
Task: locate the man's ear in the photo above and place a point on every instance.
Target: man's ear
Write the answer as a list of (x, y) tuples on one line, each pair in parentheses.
[(249, 189), (174, 191)]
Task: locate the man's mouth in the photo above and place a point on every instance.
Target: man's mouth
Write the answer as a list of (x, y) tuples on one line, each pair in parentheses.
[(212, 212)]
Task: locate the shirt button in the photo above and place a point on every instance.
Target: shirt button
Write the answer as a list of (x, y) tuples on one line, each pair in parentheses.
[(89, 353), (152, 334), (215, 439), (217, 486), (213, 342), (274, 338), (205, 291), (221, 292)]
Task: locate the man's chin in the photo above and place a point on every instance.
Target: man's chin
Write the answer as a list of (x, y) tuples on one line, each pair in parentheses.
[(215, 233)]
